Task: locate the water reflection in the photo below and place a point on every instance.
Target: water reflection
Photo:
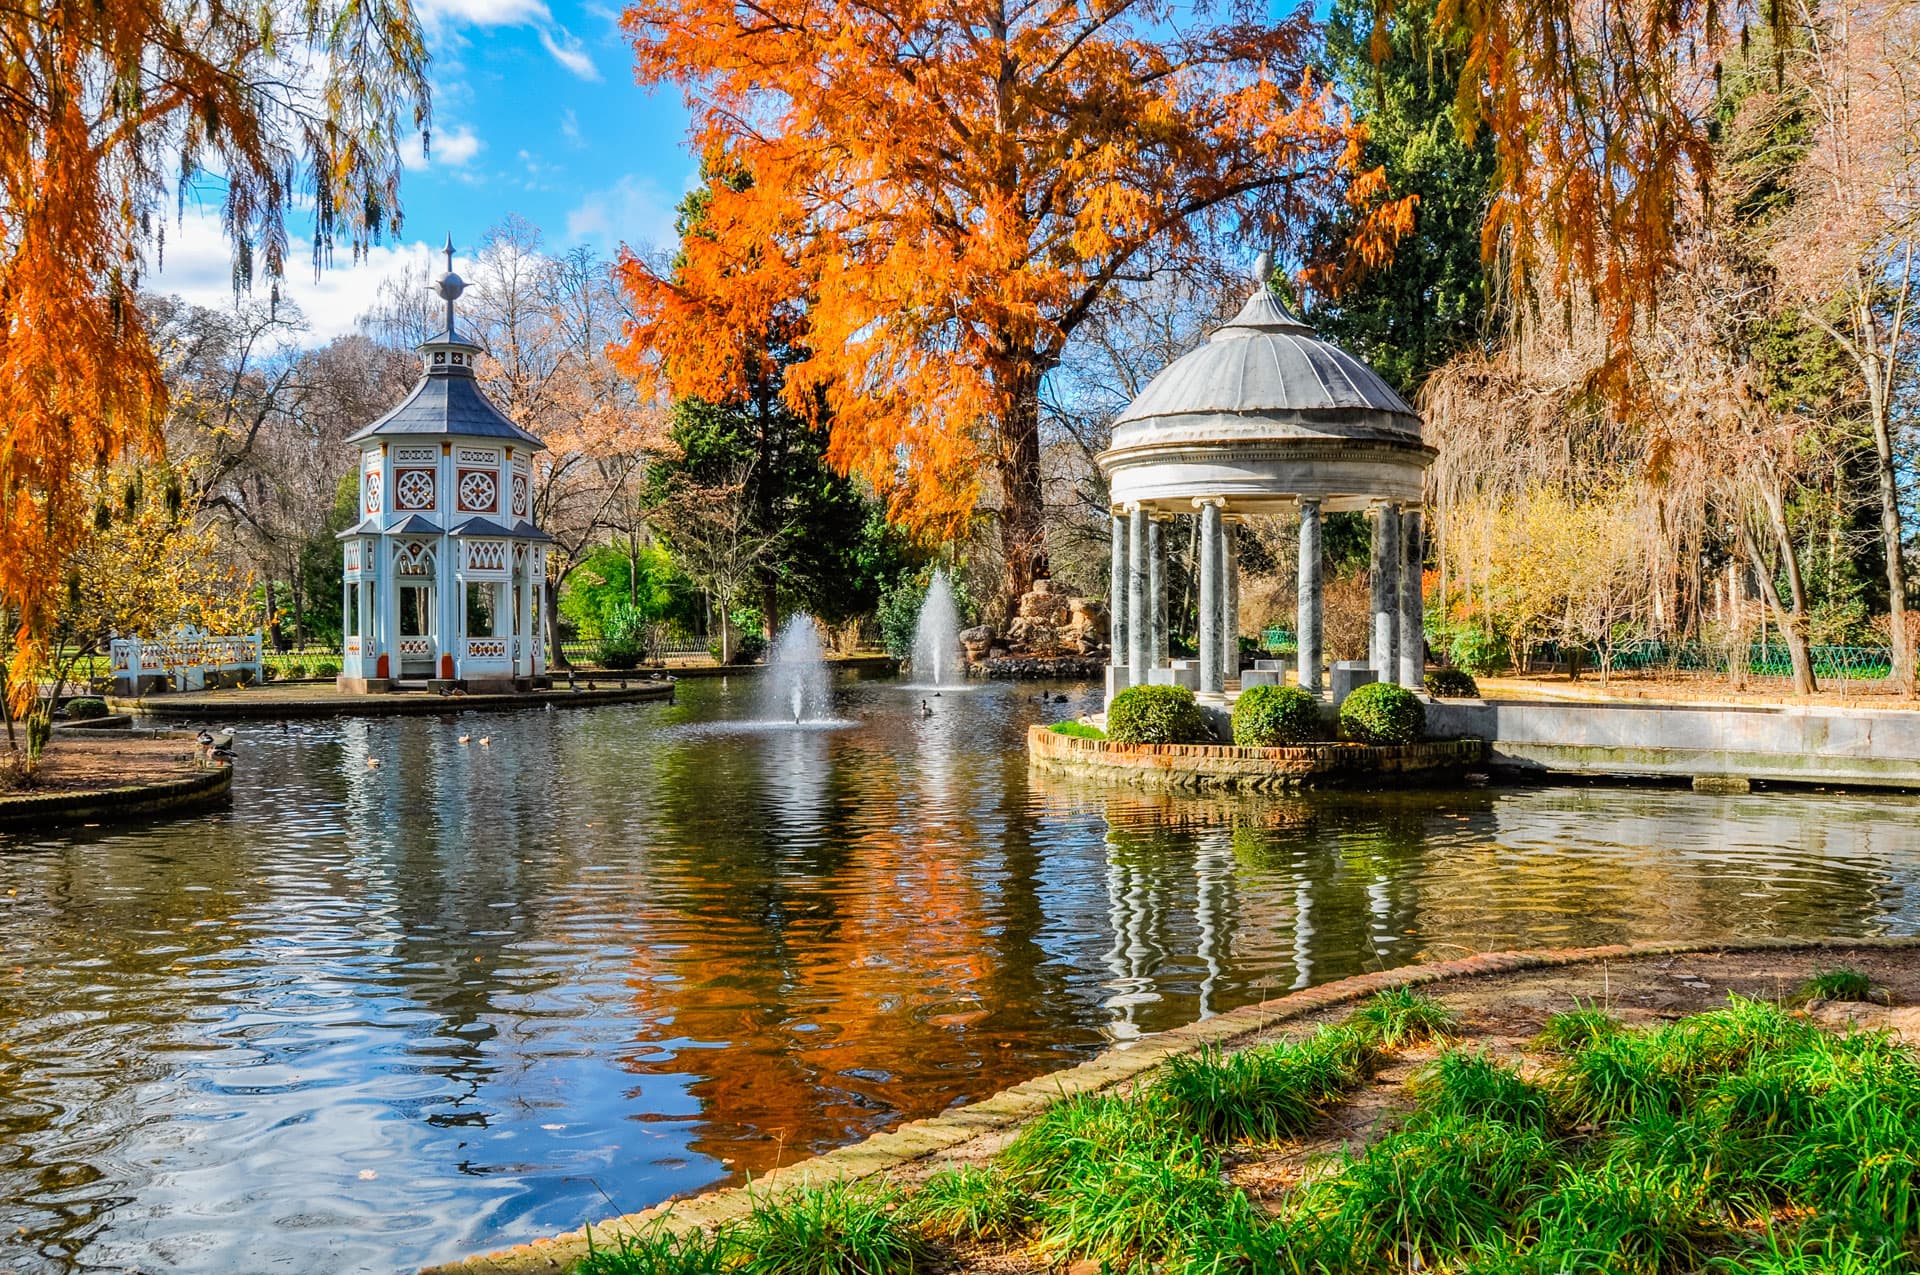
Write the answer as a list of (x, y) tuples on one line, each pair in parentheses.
[(378, 1016)]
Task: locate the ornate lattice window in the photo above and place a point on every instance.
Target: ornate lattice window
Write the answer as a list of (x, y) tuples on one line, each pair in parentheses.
[(477, 490), (413, 489), (519, 495), (373, 491)]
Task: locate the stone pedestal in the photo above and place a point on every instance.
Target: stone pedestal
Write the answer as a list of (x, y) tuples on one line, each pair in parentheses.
[(1349, 676), (1262, 677), (1116, 680), (1188, 676)]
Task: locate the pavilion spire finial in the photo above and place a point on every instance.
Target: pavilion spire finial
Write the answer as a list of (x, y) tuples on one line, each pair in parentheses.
[(450, 286), (1262, 268)]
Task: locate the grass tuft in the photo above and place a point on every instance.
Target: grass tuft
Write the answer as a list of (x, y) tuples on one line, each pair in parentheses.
[(1268, 1092), (1575, 1029), (1473, 1086), (656, 1251), (1837, 985), (970, 1203), (1078, 730), (1402, 1016), (839, 1228), (1137, 1207)]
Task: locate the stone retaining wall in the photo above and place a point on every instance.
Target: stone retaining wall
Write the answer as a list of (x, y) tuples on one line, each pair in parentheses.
[(923, 1140), (1810, 744), (1232, 767), (197, 790)]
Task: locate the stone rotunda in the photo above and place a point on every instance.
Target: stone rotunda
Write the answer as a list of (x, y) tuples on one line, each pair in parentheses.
[(446, 572), (1264, 418)]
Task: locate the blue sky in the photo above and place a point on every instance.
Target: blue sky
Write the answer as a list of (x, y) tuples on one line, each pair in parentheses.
[(535, 113)]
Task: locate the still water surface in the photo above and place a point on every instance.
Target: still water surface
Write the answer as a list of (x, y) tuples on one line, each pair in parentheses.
[(375, 1017)]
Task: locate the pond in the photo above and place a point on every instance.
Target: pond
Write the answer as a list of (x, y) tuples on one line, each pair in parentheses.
[(374, 1017)]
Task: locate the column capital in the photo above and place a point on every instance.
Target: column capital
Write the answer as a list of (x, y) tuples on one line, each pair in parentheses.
[(1218, 502), (1307, 502)]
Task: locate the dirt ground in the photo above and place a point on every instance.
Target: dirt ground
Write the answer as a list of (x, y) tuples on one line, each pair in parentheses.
[(75, 764), (1653, 688), (1502, 1015)]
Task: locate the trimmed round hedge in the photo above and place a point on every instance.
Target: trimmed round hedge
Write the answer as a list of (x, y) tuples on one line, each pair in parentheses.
[(1269, 716), (1452, 683), (1382, 713), (85, 708), (1156, 715)]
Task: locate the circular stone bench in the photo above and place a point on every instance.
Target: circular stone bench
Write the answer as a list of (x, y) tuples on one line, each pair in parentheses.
[(1232, 767)]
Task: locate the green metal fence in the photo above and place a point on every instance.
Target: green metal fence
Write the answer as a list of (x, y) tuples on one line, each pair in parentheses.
[(1843, 664)]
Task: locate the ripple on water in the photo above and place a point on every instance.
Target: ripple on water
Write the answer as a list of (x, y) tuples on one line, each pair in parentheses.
[(372, 1018)]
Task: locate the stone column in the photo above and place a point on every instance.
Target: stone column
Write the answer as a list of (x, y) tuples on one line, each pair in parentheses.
[(1383, 579), (1156, 593), (1211, 680), (1413, 606), (1230, 596), (1139, 634), (1117, 600), (1312, 600)]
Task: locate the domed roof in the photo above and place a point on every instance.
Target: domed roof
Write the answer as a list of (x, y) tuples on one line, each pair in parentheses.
[(1265, 376)]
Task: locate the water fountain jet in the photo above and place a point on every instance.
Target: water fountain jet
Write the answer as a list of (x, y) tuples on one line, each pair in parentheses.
[(937, 661), (796, 688)]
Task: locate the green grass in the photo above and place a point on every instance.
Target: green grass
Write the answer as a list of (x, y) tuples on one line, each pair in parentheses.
[(1837, 985), (656, 1252), (1401, 1016), (970, 1203), (1079, 730), (1572, 1029), (1264, 1093), (1742, 1141), (839, 1228), (1468, 1086)]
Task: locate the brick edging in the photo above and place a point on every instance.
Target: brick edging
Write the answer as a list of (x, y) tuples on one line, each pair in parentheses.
[(920, 1139), (226, 705)]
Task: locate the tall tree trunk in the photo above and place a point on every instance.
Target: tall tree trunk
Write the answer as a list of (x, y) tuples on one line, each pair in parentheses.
[(1891, 532), (769, 605), (1792, 621), (1022, 507), (559, 655)]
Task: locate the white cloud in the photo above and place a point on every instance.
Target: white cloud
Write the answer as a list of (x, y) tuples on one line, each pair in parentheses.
[(198, 265), (561, 44), (486, 13), (452, 148), (633, 211), (570, 128), (568, 51)]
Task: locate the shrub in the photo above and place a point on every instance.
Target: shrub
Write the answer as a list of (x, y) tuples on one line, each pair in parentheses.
[(624, 637), (1079, 730), (293, 670), (85, 708), (1477, 651), (1452, 683), (1156, 715), (326, 669), (1264, 716), (1382, 713)]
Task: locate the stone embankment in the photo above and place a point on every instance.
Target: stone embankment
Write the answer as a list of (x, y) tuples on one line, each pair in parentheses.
[(1715, 745), (115, 779), (1226, 766)]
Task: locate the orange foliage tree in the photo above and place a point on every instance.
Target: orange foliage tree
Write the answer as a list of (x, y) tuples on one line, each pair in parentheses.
[(943, 193), (107, 112), (1601, 115)]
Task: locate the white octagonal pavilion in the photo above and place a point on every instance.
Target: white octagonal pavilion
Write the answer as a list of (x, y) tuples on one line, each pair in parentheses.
[(1264, 418), (446, 571)]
